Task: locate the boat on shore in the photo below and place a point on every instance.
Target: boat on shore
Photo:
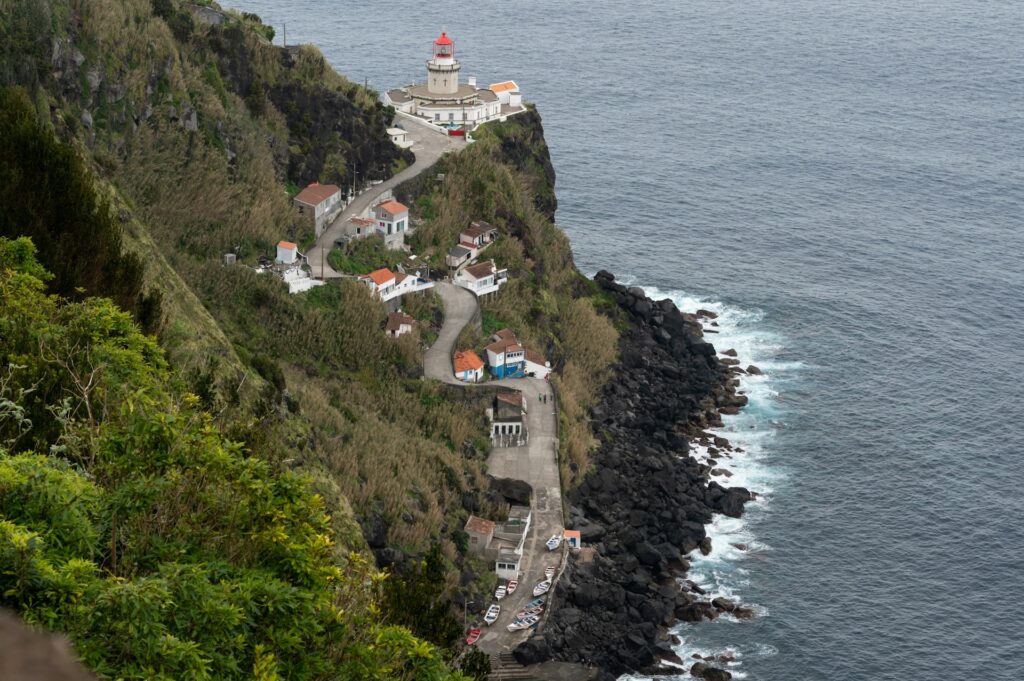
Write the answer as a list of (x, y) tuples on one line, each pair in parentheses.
[(474, 636), (535, 602), (554, 542), (524, 623), (542, 588), (549, 571), (500, 592), (492, 614), (511, 587)]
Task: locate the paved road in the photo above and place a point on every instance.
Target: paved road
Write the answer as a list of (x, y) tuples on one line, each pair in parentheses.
[(537, 463), (428, 145)]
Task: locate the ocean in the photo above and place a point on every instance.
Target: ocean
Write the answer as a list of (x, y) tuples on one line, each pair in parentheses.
[(844, 183)]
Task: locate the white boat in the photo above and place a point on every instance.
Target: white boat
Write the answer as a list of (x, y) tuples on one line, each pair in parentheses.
[(554, 542), (492, 614), (500, 592), (542, 588), (524, 623), (529, 612), (535, 602), (549, 571)]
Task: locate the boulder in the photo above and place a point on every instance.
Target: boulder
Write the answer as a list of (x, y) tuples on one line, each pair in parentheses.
[(532, 651), (703, 670), (754, 371), (723, 604), (514, 491)]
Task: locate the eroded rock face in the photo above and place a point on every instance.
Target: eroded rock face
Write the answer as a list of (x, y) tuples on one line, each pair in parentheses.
[(28, 655), (645, 503)]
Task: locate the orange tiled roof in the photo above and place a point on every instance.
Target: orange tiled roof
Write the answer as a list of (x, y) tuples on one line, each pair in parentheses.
[(286, 244), (503, 87), (381, 276), (393, 207), (467, 360)]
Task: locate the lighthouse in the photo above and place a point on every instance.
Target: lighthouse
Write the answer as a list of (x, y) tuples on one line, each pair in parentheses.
[(443, 68), (448, 104)]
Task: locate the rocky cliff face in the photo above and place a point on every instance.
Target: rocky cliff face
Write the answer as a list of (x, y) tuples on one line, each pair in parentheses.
[(645, 504)]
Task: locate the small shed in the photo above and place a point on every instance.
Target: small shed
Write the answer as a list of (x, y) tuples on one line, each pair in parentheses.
[(480, 532), (287, 252), (572, 538)]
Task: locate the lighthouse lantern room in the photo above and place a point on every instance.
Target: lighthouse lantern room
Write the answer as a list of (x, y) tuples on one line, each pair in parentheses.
[(444, 48)]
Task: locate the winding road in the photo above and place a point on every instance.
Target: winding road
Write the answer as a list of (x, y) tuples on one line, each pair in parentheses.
[(428, 145), (535, 463)]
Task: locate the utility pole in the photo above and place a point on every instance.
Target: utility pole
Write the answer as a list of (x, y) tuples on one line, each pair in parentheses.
[(321, 263), (284, 40)]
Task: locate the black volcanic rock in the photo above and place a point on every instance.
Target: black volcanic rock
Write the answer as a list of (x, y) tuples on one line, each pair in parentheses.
[(645, 502)]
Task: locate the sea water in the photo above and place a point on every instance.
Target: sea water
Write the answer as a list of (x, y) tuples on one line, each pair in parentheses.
[(843, 182)]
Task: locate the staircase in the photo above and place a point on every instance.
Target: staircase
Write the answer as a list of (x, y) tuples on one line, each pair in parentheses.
[(505, 668)]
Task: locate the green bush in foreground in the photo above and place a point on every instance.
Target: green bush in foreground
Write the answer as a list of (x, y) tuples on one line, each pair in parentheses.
[(130, 523)]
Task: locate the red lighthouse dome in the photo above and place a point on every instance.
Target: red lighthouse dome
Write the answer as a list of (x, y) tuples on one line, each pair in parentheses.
[(444, 48)]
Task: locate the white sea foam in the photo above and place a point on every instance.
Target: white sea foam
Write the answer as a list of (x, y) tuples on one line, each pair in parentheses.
[(725, 571)]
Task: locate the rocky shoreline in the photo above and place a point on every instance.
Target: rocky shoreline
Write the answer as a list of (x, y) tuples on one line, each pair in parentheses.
[(644, 505)]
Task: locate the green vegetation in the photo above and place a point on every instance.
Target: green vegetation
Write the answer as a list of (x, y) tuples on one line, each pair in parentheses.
[(128, 521), (50, 196), (363, 256)]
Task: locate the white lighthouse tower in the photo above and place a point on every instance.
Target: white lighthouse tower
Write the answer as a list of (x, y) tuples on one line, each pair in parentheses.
[(443, 68)]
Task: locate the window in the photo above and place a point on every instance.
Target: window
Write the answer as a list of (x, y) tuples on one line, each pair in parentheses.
[(451, 116)]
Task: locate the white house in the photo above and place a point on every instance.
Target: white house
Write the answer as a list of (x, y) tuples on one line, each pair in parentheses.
[(482, 278), (400, 138), (287, 252), (508, 94), (505, 356), (392, 220), (381, 282), (477, 235), (387, 285), (536, 365), (399, 324), (319, 204), (468, 366)]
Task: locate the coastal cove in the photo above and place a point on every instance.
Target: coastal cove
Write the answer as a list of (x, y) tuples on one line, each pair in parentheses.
[(842, 182)]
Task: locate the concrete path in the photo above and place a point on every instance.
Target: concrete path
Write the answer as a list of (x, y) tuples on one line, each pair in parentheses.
[(428, 145), (536, 463)]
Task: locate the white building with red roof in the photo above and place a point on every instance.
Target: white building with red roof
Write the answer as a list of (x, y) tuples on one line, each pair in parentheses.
[(388, 285), (287, 252), (468, 366), (482, 278), (447, 102), (392, 222), (319, 204)]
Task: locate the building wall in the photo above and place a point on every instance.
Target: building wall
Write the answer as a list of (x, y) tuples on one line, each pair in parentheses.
[(444, 80)]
